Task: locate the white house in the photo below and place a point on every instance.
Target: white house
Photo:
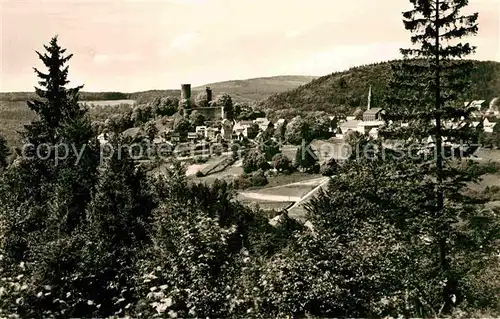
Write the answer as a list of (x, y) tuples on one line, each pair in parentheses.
[(200, 130), (263, 123), (211, 133), (280, 122), (241, 128), (488, 126)]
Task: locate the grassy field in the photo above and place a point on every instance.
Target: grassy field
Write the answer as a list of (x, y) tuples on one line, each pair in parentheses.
[(15, 114), (108, 102), (293, 190), (296, 177), (13, 117)]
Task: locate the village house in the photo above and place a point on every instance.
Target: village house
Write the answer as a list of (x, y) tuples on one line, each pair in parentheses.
[(477, 104), (371, 122), (372, 114), (280, 122), (211, 133), (488, 126), (263, 123), (192, 136), (175, 137), (200, 130), (241, 129)]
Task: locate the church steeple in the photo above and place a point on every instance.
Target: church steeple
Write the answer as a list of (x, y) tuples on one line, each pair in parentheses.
[(369, 98)]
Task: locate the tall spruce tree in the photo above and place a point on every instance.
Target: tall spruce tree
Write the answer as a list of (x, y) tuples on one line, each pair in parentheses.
[(429, 89), (46, 192)]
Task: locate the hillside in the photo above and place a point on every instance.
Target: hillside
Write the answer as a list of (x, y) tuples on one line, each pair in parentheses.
[(342, 92), (258, 89), (14, 112), (249, 90)]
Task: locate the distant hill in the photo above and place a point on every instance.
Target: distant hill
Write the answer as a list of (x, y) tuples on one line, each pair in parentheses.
[(343, 92), (84, 96), (258, 89), (249, 90), (14, 112)]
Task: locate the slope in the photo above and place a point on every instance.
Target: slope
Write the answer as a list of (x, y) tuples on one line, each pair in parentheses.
[(343, 92)]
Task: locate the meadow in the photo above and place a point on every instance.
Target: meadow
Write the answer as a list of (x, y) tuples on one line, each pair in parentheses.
[(15, 114), (108, 102)]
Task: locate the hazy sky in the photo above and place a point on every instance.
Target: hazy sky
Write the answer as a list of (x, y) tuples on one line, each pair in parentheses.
[(126, 45)]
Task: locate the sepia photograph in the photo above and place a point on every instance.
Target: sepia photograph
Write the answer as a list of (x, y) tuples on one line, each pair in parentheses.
[(250, 159)]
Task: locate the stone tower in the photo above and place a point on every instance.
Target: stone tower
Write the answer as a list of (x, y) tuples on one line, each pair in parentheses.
[(186, 91), (209, 95)]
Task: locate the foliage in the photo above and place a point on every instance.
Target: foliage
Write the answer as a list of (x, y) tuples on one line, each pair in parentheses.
[(196, 118), (428, 89), (44, 195), (254, 160), (297, 131), (306, 159), (4, 153), (111, 238), (279, 132), (269, 148), (151, 130), (201, 99), (224, 100), (343, 92), (281, 163), (330, 168), (167, 106), (182, 126)]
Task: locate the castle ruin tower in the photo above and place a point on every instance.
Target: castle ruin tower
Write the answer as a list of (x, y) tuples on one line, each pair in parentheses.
[(186, 94), (209, 95)]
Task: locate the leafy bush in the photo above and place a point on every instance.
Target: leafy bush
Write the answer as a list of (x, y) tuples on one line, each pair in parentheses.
[(199, 174), (330, 168), (281, 163), (253, 161)]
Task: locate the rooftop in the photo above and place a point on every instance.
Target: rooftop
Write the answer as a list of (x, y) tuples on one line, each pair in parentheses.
[(373, 111)]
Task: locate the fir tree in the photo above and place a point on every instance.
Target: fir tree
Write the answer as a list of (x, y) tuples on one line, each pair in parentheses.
[(428, 92), (46, 194)]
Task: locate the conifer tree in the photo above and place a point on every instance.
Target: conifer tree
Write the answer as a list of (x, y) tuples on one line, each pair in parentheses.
[(47, 193), (428, 93)]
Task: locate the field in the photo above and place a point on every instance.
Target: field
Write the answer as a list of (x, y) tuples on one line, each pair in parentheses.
[(108, 102), (13, 116)]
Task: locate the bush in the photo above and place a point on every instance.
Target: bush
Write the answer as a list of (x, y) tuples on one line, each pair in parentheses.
[(200, 160), (199, 174), (330, 168), (241, 182), (258, 178), (253, 161), (281, 163)]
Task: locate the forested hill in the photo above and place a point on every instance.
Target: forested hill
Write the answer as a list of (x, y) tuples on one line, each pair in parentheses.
[(343, 92)]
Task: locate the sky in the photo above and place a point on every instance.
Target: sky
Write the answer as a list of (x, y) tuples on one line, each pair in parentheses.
[(134, 45)]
